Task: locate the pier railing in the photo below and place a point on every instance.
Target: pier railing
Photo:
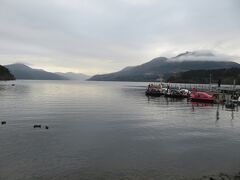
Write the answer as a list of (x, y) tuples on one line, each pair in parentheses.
[(203, 87)]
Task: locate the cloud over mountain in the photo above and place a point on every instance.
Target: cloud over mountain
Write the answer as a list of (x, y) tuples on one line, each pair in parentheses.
[(201, 55), (102, 36)]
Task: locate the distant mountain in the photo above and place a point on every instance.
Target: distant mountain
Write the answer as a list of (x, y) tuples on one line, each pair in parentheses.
[(22, 71), (162, 68), (203, 76), (74, 76), (5, 74)]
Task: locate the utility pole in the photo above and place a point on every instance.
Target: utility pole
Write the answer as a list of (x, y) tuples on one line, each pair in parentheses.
[(234, 84), (210, 82)]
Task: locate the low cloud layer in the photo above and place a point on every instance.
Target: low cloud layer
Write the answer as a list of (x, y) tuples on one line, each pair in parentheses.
[(93, 36), (202, 55)]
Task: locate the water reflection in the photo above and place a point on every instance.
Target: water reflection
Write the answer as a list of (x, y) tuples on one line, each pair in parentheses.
[(3, 87), (112, 127), (165, 100), (221, 111), (217, 113), (170, 100), (200, 105)]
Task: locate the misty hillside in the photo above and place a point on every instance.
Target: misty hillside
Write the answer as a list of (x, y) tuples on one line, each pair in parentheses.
[(162, 67), (73, 76), (227, 76), (5, 74), (21, 71)]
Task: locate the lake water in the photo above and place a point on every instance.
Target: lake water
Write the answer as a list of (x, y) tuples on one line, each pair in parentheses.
[(111, 130)]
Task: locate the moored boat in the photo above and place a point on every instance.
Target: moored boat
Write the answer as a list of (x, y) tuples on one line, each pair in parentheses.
[(201, 97), (236, 101), (185, 92), (154, 90), (173, 93), (176, 93), (229, 105)]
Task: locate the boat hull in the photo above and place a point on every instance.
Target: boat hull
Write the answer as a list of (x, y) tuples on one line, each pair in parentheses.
[(155, 94), (175, 96), (202, 100)]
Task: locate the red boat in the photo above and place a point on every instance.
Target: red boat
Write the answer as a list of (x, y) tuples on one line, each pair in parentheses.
[(201, 97)]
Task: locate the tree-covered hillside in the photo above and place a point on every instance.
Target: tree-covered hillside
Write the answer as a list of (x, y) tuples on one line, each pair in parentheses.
[(5, 74), (227, 76)]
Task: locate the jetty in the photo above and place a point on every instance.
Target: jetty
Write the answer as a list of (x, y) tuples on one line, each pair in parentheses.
[(222, 93)]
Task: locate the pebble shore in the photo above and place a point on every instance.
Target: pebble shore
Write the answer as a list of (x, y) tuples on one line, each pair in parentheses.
[(221, 176)]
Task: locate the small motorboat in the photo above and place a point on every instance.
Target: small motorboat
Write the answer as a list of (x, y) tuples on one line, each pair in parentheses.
[(229, 105), (185, 92), (236, 101), (201, 97), (173, 93), (154, 90)]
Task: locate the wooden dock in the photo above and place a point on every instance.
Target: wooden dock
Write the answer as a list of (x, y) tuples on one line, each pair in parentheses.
[(229, 89), (222, 93)]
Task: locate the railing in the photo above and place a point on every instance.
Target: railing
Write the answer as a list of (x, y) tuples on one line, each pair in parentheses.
[(202, 87)]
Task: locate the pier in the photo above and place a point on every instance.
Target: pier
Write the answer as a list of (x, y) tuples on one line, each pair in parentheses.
[(205, 87), (221, 93)]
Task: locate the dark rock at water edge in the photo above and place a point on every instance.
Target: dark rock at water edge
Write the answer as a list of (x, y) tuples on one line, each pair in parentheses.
[(5, 74)]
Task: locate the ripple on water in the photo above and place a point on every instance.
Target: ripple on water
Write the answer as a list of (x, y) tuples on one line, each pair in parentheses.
[(111, 131)]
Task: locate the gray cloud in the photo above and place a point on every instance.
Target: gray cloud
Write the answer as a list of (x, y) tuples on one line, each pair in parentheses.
[(202, 55), (95, 36)]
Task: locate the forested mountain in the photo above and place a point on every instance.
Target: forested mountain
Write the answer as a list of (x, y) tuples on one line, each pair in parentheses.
[(21, 71), (162, 68), (227, 76), (5, 74)]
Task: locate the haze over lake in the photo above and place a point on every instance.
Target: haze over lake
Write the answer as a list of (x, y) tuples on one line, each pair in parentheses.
[(111, 130)]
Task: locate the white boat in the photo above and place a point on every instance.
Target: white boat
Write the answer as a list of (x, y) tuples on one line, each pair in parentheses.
[(236, 101)]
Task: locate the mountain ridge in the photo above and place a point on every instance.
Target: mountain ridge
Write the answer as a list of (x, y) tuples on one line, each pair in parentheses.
[(73, 76), (162, 67), (22, 71)]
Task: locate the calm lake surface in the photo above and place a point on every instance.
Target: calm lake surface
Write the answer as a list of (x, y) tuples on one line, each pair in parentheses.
[(111, 130)]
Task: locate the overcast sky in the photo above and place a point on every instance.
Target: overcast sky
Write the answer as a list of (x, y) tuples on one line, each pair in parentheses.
[(98, 36)]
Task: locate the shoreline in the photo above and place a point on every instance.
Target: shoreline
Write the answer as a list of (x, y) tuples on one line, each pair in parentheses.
[(220, 176)]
